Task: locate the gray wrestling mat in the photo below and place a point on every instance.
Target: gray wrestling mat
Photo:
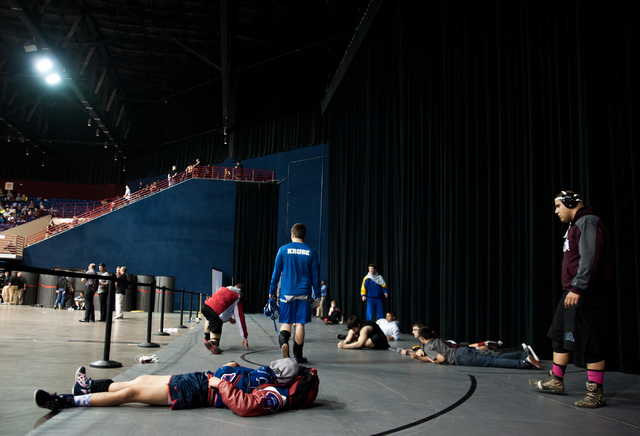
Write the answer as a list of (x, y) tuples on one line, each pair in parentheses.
[(362, 392)]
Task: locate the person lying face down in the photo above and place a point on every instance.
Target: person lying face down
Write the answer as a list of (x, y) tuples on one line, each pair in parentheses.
[(369, 335), (248, 392)]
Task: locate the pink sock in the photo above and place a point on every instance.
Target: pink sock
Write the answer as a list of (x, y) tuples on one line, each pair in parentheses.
[(558, 370), (596, 376)]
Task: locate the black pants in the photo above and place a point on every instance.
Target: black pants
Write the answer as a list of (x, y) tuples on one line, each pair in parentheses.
[(102, 298), (89, 314)]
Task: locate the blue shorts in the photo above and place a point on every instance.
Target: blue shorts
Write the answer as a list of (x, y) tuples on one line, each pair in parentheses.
[(295, 312), (188, 391)]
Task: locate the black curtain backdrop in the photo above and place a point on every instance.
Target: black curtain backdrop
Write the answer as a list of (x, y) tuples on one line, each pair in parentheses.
[(454, 128), (255, 246)]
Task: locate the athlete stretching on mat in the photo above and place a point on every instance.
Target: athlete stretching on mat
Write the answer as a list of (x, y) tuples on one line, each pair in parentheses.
[(247, 392)]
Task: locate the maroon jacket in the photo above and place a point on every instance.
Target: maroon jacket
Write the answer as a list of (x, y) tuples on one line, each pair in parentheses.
[(587, 260)]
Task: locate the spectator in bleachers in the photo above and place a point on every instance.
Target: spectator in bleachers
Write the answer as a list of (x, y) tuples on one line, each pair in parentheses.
[(127, 194), (172, 175)]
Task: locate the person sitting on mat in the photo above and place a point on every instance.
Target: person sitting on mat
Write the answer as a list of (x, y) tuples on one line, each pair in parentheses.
[(369, 334)]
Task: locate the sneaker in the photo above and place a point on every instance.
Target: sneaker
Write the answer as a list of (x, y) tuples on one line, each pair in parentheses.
[(527, 349), (343, 337), (594, 397), (212, 347), (301, 359), (532, 363), (52, 401), (82, 386), (493, 345), (553, 384)]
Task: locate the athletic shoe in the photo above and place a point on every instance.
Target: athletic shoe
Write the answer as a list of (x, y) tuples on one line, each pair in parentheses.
[(527, 349), (553, 384), (493, 345), (52, 401), (82, 385), (301, 359), (532, 363), (212, 347), (594, 397), (343, 337)]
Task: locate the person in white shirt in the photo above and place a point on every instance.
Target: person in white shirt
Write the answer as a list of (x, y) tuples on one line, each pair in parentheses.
[(389, 326)]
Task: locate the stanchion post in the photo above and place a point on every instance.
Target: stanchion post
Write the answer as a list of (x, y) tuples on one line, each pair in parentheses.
[(152, 294), (181, 325), (161, 332), (190, 304), (106, 363)]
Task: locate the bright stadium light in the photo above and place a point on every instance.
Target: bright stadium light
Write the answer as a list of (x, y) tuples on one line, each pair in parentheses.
[(44, 65), (53, 79)]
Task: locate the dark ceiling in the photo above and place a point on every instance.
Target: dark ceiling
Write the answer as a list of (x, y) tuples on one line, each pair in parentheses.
[(149, 72)]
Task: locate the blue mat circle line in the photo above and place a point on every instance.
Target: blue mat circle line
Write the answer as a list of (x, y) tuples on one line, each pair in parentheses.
[(468, 395)]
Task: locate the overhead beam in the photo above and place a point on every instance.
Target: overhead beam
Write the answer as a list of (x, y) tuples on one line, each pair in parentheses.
[(172, 39), (352, 49)]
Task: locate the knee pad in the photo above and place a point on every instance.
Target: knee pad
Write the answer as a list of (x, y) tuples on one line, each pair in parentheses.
[(284, 338)]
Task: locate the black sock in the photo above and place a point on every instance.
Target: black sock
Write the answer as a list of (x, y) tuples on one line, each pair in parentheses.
[(207, 336), (297, 350)]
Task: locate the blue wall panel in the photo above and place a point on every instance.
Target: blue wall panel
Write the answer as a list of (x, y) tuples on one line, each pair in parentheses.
[(180, 232)]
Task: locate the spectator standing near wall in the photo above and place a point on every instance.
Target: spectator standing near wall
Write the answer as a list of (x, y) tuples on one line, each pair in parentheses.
[(22, 288), (296, 269), (121, 289), (323, 300), (103, 292), (172, 175), (6, 277), (89, 314), (14, 283)]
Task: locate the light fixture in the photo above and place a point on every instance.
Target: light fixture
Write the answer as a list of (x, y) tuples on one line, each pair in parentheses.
[(97, 132), (115, 157), (53, 79), (29, 47), (8, 137), (27, 151), (44, 65), (105, 144), (89, 122)]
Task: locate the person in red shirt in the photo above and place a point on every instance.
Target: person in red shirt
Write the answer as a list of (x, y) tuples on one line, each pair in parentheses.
[(224, 305)]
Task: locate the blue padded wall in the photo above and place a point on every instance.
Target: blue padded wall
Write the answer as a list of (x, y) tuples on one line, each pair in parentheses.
[(182, 232)]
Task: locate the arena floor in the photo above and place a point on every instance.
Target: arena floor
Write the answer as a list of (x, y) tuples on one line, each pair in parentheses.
[(362, 392)]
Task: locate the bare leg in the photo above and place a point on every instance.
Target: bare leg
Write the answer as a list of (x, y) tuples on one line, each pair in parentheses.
[(597, 366), (143, 380), (562, 359), (299, 335), (156, 394)]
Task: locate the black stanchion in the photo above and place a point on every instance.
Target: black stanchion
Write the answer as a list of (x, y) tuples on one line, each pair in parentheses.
[(152, 294), (182, 326), (161, 332), (190, 304), (105, 362)]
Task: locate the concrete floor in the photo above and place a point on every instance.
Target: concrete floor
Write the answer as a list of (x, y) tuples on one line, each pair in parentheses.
[(362, 392)]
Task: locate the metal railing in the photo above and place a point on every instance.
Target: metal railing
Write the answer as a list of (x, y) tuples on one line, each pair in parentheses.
[(193, 172), (11, 246)]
